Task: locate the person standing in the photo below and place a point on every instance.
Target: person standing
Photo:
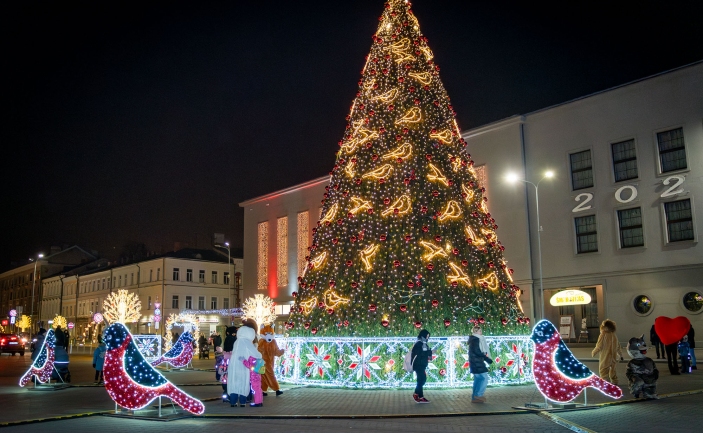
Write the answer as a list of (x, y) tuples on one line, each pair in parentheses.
[(684, 352), (216, 340), (41, 335), (671, 355), (99, 360), (608, 349), (656, 342), (692, 344), (238, 381), (420, 357), (477, 365)]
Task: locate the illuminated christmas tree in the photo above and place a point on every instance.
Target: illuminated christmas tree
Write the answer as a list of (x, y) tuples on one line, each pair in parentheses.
[(405, 240)]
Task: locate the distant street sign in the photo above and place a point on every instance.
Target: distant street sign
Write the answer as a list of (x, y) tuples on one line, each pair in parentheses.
[(70, 325), (13, 313)]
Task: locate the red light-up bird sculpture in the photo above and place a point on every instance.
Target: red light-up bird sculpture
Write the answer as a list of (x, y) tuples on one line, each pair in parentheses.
[(180, 354), (43, 364), (559, 376), (131, 381)]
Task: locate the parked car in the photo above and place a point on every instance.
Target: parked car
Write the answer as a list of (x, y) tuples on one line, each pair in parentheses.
[(11, 343)]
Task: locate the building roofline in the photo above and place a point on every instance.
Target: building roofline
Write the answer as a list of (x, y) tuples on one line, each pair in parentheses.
[(290, 189), (619, 86), (493, 126)]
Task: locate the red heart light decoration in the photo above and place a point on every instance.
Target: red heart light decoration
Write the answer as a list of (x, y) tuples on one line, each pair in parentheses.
[(671, 331)]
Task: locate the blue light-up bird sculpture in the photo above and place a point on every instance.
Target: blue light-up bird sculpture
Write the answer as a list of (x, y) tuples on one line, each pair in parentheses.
[(558, 374), (180, 354), (131, 381), (43, 364)]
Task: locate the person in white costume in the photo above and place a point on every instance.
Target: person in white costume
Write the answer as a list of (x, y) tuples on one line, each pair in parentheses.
[(238, 385)]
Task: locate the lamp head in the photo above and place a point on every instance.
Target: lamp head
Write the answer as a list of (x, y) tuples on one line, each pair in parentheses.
[(549, 174), (226, 244), (40, 255), (511, 177)]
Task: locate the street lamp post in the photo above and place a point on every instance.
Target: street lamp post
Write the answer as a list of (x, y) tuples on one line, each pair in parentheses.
[(34, 281), (547, 175)]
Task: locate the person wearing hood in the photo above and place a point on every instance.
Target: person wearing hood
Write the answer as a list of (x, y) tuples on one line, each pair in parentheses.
[(238, 383), (608, 350), (692, 343), (420, 357), (41, 335), (99, 360), (478, 357)]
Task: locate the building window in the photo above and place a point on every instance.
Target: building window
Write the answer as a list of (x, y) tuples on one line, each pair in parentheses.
[(263, 256), (303, 240), (94, 285), (225, 303), (225, 279), (119, 281), (693, 302), (131, 279), (189, 302), (624, 160), (631, 233), (151, 274), (103, 283), (174, 302), (201, 276), (214, 277), (282, 251), (213, 303), (176, 274), (581, 170), (189, 275), (158, 274), (679, 220), (672, 150), (586, 234), (642, 305), (148, 302), (201, 302)]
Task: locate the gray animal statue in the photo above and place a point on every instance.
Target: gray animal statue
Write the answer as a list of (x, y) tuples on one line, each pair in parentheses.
[(642, 372)]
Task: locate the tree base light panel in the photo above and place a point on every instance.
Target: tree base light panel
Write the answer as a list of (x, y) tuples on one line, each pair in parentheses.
[(559, 376), (131, 381), (43, 364), (352, 362)]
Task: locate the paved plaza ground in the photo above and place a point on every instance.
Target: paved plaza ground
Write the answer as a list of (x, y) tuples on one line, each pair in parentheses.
[(302, 409)]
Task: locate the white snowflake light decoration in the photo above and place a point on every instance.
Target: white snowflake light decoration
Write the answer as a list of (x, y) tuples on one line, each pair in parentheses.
[(259, 308), (122, 307)]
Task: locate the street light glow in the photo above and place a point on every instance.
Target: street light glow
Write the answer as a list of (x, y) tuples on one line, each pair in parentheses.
[(549, 174), (511, 177), (227, 244)]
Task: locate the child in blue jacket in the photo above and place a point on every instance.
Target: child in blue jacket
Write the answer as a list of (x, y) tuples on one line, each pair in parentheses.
[(99, 360)]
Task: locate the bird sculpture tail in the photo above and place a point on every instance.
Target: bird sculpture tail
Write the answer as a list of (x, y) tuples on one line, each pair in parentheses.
[(605, 387), (43, 372), (182, 399)]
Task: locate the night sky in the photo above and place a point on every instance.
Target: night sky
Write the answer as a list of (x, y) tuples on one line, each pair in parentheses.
[(151, 122)]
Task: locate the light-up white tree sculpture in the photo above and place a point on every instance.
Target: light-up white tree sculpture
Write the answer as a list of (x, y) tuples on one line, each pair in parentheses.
[(122, 307), (259, 308)]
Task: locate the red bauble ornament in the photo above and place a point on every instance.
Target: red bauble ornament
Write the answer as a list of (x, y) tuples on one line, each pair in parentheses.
[(396, 263), (330, 311), (382, 237), (447, 322), (332, 283), (369, 211), (407, 181), (321, 304), (504, 321), (386, 201), (464, 263), (314, 331), (408, 238), (428, 157), (385, 323), (345, 323), (300, 310), (455, 251), (403, 308), (435, 193), (349, 263), (306, 325), (438, 238), (379, 283), (425, 229), (491, 265), (372, 307), (353, 238), (423, 209), (411, 284), (481, 320), (418, 325), (430, 266), (435, 303), (294, 294), (354, 284), (374, 157), (527, 320), (442, 372)]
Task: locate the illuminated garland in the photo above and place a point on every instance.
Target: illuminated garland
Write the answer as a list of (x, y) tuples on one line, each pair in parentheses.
[(122, 307), (43, 364), (131, 381), (224, 312), (559, 376)]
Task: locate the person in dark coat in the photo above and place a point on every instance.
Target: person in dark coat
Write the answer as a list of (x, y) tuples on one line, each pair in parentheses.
[(692, 345), (671, 355), (420, 357), (216, 341), (41, 335), (656, 342), (477, 366), (230, 338)]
